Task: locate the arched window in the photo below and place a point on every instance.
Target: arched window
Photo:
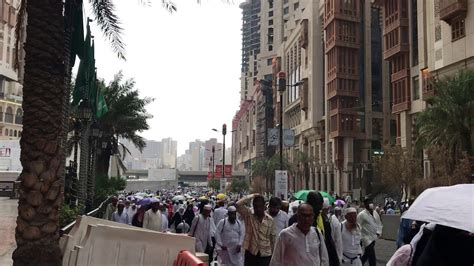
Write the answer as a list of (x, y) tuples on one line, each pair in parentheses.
[(19, 134), (6, 131), (19, 116), (15, 133), (9, 115), (11, 133)]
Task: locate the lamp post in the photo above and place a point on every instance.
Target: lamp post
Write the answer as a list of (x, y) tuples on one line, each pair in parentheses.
[(281, 90)]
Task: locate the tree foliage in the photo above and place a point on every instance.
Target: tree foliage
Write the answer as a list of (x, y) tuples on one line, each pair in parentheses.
[(449, 119), (214, 184), (398, 170), (105, 186), (238, 185), (127, 116)]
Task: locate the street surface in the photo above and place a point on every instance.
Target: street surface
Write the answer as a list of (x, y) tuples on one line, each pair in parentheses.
[(8, 213), (384, 250)]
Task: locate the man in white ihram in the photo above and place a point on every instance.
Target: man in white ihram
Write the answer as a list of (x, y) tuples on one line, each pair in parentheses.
[(229, 238), (301, 243)]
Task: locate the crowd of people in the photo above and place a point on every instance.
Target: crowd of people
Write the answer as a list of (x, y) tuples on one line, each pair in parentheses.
[(262, 230)]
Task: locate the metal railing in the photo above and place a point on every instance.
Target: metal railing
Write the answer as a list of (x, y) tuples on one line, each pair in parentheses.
[(97, 212)]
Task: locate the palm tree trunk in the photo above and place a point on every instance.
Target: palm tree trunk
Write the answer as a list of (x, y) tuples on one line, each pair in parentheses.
[(103, 162), (41, 189)]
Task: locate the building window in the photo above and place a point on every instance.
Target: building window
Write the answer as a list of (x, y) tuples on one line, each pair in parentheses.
[(296, 5), (270, 3), (269, 62), (270, 22), (270, 48), (416, 88), (286, 10), (270, 14), (458, 29)]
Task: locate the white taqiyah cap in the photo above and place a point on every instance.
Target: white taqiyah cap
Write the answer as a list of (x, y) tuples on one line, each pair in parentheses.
[(207, 207), (350, 210), (231, 209)]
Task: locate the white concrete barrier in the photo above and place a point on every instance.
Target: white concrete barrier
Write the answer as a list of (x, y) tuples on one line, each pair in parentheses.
[(108, 245)]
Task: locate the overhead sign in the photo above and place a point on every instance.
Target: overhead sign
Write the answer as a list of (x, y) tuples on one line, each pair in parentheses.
[(228, 170), (281, 184), (218, 172), (273, 137), (288, 137)]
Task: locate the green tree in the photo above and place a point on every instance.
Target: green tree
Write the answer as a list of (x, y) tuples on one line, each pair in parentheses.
[(214, 184), (449, 119), (237, 185), (399, 171), (264, 170), (48, 56), (126, 117)]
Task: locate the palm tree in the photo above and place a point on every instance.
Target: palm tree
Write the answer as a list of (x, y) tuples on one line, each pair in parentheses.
[(126, 117), (449, 119), (41, 150), (47, 48)]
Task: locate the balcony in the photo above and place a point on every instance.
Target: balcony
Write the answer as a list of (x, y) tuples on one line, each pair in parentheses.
[(400, 107), (399, 48), (449, 9), (400, 74)]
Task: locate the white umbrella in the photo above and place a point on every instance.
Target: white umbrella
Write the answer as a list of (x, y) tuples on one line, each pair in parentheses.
[(178, 198), (451, 206)]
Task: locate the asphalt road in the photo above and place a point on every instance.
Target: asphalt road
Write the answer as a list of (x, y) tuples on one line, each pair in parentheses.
[(384, 250)]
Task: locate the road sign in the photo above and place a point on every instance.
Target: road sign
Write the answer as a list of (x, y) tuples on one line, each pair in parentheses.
[(223, 182), (288, 137), (273, 137), (281, 184)]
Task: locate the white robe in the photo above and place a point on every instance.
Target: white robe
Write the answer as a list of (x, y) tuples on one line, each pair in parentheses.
[(336, 234), (281, 221), (201, 230), (230, 236), (153, 220), (295, 248), (351, 247), (123, 219)]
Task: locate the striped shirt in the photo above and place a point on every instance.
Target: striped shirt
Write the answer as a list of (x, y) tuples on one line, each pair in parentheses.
[(259, 236)]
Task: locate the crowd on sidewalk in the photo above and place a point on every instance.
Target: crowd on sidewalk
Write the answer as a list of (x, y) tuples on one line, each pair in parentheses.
[(263, 230)]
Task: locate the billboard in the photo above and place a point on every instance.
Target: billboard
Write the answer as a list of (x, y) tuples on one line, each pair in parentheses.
[(281, 184)]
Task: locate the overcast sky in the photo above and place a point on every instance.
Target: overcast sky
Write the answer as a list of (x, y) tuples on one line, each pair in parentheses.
[(189, 61)]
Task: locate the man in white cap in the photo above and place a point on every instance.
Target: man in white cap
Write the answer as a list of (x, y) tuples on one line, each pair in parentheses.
[(201, 230), (153, 219), (351, 237), (229, 238), (335, 228), (371, 229)]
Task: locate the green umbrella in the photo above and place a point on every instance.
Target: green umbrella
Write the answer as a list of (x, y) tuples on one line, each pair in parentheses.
[(303, 194)]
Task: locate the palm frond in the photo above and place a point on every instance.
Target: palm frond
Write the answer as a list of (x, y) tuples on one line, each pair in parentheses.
[(169, 5), (108, 21)]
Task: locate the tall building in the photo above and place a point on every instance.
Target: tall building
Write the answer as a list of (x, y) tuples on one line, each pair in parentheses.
[(250, 45), (423, 41), (169, 153), (208, 154), (11, 91)]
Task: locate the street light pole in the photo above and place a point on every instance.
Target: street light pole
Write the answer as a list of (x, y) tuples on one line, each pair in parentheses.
[(281, 89), (224, 132)]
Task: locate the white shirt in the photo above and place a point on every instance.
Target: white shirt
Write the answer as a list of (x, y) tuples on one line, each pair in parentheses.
[(130, 212), (281, 221), (295, 248), (336, 234), (153, 220), (201, 230), (370, 226), (164, 222), (351, 241), (219, 214), (123, 218), (230, 236)]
